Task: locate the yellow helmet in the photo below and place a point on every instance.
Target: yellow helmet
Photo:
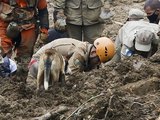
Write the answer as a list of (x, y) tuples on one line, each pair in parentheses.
[(105, 48)]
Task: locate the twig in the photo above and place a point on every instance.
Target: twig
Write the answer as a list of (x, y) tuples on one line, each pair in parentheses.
[(52, 113), (84, 104), (109, 106), (118, 23)]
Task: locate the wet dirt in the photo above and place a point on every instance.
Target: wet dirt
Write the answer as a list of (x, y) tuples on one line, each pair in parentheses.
[(128, 90)]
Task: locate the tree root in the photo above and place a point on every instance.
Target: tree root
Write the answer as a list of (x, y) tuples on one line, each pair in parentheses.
[(53, 113)]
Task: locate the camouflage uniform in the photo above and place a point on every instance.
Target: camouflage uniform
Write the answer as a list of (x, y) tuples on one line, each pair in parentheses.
[(24, 15), (126, 36), (83, 16), (75, 52)]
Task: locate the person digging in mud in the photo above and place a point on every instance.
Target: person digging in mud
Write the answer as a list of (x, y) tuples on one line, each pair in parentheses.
[(79, 56), (152, 9), (136, 37), (19, 29)]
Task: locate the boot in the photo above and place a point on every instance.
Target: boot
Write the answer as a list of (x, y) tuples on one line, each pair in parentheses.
[(22, 67)]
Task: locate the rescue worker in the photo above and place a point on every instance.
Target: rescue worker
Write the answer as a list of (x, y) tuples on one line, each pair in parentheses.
[(136, 37), (83, 18), (152, 9), (19, 28), (80, 56)]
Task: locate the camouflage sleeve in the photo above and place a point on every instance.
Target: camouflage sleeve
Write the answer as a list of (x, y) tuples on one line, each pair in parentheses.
[(59, 5), (118, 45), (77, 62)]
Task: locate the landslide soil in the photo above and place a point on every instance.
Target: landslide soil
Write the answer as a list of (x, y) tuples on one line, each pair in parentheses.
[(128, 90)]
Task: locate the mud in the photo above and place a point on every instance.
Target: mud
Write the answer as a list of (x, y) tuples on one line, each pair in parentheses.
[(128, 90)]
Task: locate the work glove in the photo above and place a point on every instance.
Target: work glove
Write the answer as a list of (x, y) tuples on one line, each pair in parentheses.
[(42, 38), (60, 24), (6, 12), (106, 14), (60, 21), (43, 35), (58, 14)]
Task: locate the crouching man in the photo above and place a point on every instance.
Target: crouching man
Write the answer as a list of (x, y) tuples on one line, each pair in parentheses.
[(137, 36), (79, 56)]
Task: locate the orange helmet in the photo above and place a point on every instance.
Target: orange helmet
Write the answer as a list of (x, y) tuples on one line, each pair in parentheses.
[(105, 48)]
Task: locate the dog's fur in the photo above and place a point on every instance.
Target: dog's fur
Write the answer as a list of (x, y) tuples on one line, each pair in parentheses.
[(51, 68)]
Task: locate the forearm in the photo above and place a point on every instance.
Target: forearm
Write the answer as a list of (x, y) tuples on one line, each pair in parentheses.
[(118, 46), (43, 17), (75, 65)]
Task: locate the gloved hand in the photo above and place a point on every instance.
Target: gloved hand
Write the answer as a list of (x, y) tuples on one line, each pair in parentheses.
[(6, 12), (60, 21), (105, 14), (60, 24), (42, 38), (58, 14)]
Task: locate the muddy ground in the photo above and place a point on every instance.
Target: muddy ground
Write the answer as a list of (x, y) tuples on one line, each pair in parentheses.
[(128, 90)]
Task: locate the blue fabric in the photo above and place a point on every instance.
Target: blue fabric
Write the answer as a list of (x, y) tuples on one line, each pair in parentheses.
[(55, 34), (5, 68)]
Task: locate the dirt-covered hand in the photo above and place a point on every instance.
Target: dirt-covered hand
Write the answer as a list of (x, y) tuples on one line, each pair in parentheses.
[(42, 38), (60, 24), (57, 14), (6, 12), (60, 21), (60, 14)]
